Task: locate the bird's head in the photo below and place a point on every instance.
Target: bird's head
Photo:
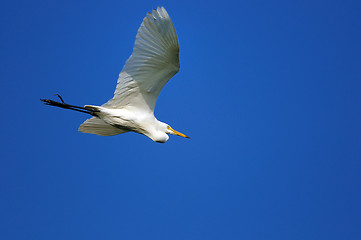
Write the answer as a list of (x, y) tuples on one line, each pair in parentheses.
[(161, 135)]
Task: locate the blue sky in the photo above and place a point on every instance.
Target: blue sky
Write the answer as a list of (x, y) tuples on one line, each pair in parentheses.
[(269, 92)]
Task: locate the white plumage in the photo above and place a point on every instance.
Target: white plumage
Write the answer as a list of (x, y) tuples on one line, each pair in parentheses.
[(155, 59)]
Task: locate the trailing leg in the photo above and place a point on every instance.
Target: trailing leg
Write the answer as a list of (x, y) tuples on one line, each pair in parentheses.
[(64, 105)]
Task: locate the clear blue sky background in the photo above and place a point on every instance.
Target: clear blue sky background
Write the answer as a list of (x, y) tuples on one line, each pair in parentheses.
[(269, 91)]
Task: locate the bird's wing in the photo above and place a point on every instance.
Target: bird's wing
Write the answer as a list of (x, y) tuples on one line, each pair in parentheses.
[(97, 126), (155, 59)]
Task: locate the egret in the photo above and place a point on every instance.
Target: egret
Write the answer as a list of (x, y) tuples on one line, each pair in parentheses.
[(155, 60)]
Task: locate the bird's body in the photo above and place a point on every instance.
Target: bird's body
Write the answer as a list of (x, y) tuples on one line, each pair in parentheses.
[(155, 59), (125, 120)]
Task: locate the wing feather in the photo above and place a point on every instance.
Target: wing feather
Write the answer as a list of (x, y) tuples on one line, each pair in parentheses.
[(155, 59), (97, 126)]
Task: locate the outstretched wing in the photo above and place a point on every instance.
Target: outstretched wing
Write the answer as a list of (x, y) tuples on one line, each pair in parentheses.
[(155, 59)]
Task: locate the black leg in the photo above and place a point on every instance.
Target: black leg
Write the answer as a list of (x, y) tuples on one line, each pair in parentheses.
[(60, 98), (64, 105)]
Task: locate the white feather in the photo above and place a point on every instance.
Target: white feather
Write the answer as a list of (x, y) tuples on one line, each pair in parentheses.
[(97, 126), (155, 59)]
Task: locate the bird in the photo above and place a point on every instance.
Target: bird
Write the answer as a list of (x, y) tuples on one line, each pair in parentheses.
[(153, 62)]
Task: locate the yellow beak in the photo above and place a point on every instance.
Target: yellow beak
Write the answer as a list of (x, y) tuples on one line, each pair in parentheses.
[(177, 133)]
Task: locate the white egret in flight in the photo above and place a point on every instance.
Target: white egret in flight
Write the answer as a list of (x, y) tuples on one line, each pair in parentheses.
[(155, 59)]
